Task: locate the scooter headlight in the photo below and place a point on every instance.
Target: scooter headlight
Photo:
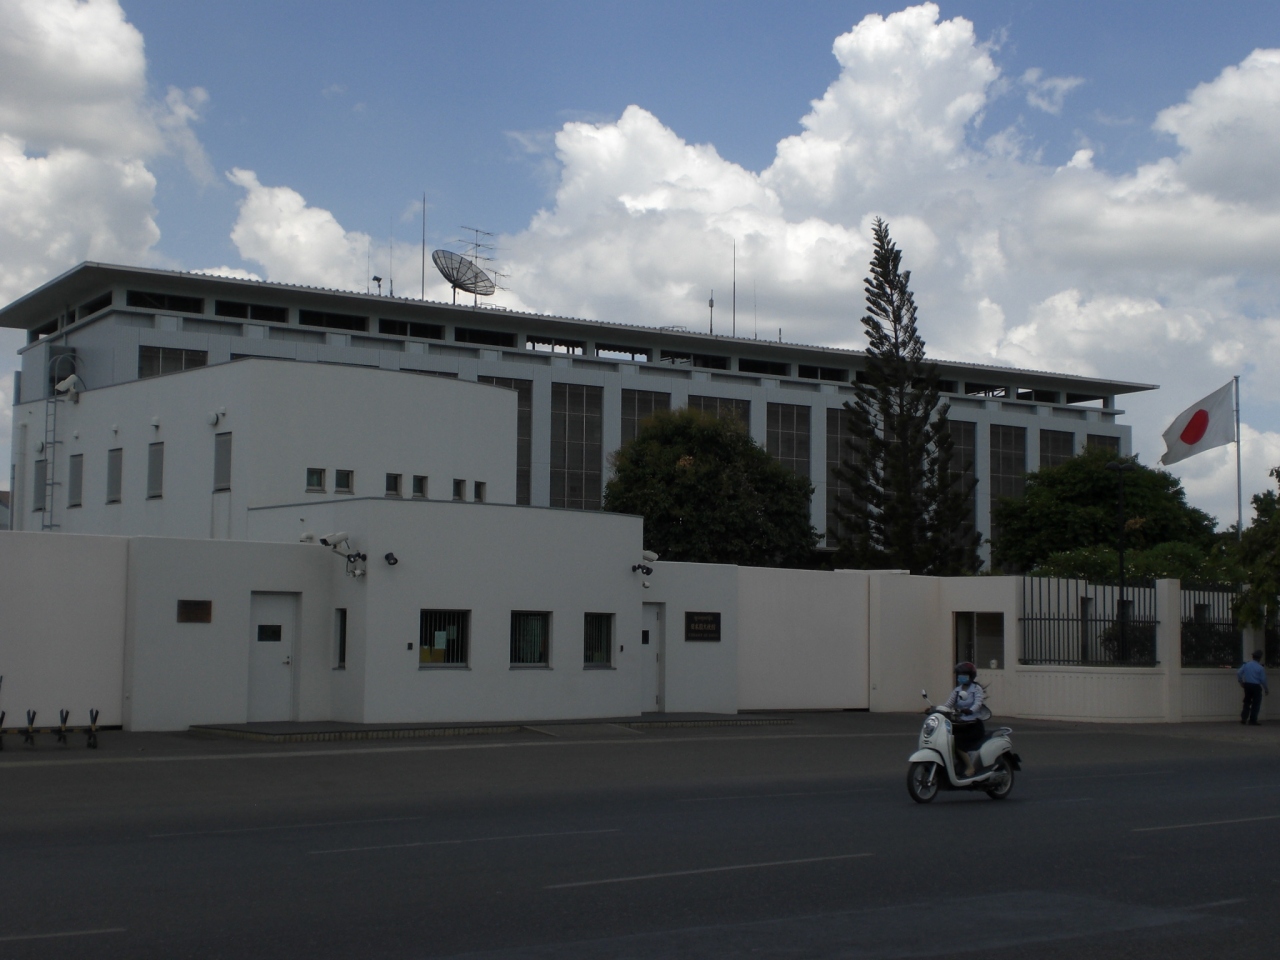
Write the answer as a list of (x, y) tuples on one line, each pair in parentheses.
[(930, 725)]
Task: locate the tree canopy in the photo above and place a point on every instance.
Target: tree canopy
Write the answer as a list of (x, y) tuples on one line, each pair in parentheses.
[(908, 502), (709, 494), (1260, 555), (1073, 507)]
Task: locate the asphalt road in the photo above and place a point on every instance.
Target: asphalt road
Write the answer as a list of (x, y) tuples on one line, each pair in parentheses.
[(774, 842)]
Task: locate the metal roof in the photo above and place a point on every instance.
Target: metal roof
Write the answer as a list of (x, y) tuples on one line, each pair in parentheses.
[(83, 281)]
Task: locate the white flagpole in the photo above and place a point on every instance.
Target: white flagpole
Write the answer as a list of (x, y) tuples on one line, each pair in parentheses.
[(1239, 483)]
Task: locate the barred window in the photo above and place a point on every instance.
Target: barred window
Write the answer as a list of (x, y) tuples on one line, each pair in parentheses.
[(443, 638), (637, 407), (530, 638), (787, 436), (597, 639), (576, 446), (1056, 446), (524, 432), (964, 459)]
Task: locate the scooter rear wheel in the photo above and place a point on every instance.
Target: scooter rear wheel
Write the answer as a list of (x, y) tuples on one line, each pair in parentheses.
[(1003, 780), (922, 781)]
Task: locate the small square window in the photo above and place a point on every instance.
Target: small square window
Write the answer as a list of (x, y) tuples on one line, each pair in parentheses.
[(479, 491), (195, 611), (420, 488), (344, 481), (315, 479), (393, 484), (459, 489), (442, 637)]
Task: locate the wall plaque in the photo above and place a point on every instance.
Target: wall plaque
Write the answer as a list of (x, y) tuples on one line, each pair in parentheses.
[(701, 626)]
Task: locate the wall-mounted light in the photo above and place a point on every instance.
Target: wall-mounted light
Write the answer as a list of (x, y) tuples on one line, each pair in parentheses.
[(391, 559)]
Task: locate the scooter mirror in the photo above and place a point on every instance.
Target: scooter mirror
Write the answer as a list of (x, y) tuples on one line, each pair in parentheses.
[(925, 694)]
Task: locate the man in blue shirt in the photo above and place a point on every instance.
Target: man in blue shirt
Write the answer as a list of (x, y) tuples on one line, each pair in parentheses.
[(1253, 680)]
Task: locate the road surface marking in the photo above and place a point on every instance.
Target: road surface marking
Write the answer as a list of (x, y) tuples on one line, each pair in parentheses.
[(1207, 823), (1107, 776), (765, 796), (65, 933), (690, 873), (1216, 903), (283, 826), (441, 843)]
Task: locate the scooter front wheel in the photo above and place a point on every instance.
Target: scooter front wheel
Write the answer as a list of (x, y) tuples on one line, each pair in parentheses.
[(1002, 782), (922, 781)]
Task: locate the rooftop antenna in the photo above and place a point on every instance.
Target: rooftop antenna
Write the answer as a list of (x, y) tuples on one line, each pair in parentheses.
[(424, 244), (755, 308), (480, 251), (368, 261), (735, 288), (391, 255), (711, 305)]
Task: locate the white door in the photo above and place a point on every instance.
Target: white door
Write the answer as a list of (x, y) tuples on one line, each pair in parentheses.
[(653, 654), (273, 627)]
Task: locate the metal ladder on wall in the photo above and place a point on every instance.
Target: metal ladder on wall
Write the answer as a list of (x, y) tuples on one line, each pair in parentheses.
[(49, 450)]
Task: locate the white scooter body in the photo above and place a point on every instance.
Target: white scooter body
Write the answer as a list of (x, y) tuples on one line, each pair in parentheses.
[(995, 762)]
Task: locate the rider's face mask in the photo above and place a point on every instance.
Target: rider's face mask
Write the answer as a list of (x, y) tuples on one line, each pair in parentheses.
[(963, 679)]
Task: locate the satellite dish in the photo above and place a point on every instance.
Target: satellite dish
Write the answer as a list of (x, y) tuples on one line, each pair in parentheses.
[(463, 274)]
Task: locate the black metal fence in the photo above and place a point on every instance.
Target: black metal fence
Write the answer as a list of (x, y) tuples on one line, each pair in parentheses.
[(1075, 623), (1211, 637)]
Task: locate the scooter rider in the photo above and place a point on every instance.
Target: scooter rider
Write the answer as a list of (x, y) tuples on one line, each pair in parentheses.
[(966, 699)]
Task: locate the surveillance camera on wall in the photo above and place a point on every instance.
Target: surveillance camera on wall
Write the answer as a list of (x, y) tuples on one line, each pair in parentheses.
[(649, 555), (333, 540)]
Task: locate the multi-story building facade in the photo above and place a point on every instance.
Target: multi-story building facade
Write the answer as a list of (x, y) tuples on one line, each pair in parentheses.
[(582, 387)]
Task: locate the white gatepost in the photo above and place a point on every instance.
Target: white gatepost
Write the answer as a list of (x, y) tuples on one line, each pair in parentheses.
[(1169, 645)]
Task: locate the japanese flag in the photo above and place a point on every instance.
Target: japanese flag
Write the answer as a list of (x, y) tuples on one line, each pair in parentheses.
[(1202, 426)]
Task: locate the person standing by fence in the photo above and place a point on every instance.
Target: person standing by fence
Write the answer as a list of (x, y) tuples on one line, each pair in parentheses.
[(1253, 680)]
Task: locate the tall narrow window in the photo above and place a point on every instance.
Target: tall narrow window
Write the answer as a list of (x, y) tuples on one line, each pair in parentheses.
[(340, 638), (155, 471), (787, 437), (597, 639), (459, 489), (724, 408), (838, 438), (1008, 465), (222, 462), (524, 432), (393, 484), (964, 459), (479, 490), (1056, 446), (75, 480), (39, 481), (530, 639), (442, 638), (577, 460), (637, 407), (419, 488), (115, 470)]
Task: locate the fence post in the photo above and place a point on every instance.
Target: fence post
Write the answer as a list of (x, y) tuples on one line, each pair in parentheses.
[(1169, 645)]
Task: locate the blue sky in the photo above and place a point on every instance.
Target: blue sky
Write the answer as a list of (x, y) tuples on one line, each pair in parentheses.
[(362, 107), (1081, 187)]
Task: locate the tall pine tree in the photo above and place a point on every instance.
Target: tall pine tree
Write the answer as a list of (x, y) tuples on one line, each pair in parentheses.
[(907, 501)]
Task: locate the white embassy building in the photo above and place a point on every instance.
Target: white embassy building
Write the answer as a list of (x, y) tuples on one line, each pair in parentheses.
[(192, 439)]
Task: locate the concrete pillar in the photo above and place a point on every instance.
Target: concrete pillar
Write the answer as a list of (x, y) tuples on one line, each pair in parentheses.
[(1169, 645)]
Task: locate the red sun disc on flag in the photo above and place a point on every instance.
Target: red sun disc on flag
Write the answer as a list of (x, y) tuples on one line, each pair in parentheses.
[(1193, 432)]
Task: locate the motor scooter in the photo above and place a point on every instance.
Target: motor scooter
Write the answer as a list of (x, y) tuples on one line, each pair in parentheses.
[(933, 765)]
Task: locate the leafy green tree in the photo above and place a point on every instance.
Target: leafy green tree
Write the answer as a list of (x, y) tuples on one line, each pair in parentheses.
[(1180, 561), (709, 494), (1260, 556), (908, 507), (1073, 506)]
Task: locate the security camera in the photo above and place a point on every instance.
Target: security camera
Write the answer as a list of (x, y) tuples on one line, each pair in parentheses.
[(71, 386), (333, 539), (649, 555), (641, 568)]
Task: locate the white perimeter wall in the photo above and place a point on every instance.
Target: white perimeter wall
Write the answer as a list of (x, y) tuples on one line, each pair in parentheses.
[(62, 627), (802, 639), (699, 675)]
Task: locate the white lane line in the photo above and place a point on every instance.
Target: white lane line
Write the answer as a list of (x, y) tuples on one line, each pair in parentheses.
[(1071, 800), (1217, 903), (1263, 786), (1207, 823), (1107, 776), (284, 826), (65, 933), (444, 843), (690, 873), (766, 796)]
